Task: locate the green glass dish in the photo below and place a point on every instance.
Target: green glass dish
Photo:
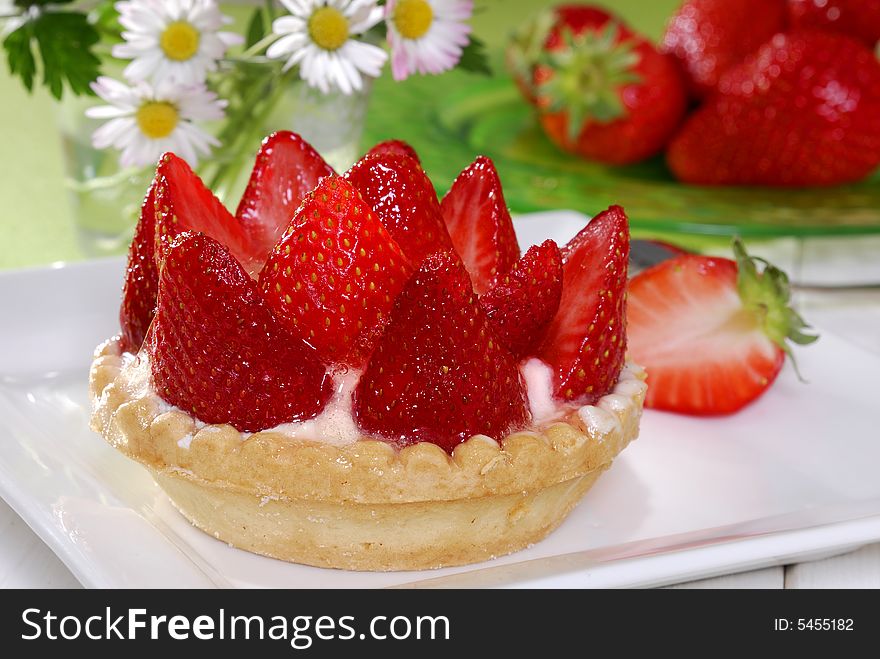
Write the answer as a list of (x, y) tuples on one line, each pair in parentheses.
[(452, 118)]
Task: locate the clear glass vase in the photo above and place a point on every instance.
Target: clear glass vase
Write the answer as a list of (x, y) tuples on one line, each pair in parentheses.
[(106, 199)]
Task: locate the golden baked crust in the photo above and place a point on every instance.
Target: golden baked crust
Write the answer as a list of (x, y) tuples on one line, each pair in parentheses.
[(365, 505)]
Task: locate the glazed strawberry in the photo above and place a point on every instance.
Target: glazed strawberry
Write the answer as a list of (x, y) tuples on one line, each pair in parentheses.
[(141, 280), (333, 276), (398, 147), (813, 121), (710, 36), (438, 373), (602, 91), (586, 342), (522, 302), (183, 203), (711, 332), (217, 351), (479, 223), (286, 168), (857, 18), (399, 191)]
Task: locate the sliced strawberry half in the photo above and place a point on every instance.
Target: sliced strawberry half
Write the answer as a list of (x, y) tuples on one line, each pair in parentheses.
[(522, 303), (183, 203), (141, 279), (479, 223), (398, 147), (438, 373), (333, 276), (586, 342), (710, 332), (399, 191), (286, 169), (217, 351)]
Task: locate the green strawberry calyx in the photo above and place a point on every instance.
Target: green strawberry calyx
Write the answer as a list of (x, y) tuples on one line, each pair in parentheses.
[(582, 78), (767, 294)]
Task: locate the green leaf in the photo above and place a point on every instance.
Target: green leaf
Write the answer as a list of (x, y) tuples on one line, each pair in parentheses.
[(65, 40), (256, 29), (767, 294), (19, 55), (474, 58)]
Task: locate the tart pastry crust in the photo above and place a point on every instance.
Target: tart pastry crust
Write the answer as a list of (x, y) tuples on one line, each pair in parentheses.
[(367, 505)]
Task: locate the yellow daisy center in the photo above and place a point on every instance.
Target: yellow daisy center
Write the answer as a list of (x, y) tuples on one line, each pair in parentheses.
[(328, 28), (179, 41), (413, 18), (157, 119)]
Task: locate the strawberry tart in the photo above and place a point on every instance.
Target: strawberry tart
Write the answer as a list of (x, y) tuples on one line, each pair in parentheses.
[(350, 373)]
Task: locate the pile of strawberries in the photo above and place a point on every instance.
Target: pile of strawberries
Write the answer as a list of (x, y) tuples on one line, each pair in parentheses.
[(246, 318), (739, 92)]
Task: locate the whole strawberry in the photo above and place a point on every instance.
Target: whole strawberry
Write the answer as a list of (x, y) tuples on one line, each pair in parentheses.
[(602, 91), (857, 18), (710, 36), (802, 110), (712, 333)]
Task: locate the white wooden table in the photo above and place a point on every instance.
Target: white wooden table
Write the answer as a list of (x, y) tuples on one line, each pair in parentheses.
[(26, 562)]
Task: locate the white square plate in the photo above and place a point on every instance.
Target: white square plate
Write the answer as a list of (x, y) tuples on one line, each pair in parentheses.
[(791, 477)]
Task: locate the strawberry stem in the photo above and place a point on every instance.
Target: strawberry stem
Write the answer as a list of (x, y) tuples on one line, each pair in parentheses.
[(767, 294)]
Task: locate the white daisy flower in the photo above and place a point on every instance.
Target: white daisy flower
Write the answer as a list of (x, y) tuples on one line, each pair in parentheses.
[(177, 40), (12, 17), (426, 36), (318, 35), (144, 122)]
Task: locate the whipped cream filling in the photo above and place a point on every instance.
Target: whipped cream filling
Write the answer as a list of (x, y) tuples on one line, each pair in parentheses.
[(336, 424)]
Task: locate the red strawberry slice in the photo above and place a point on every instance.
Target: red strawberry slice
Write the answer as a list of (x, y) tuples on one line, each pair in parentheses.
[(333, 276), (217, 351), (141, 279), (399, 191), (438, 373), (586, 341), (398, 147), (711, 332), (479, 223), (286, 169), (183, 203), (523, 302)]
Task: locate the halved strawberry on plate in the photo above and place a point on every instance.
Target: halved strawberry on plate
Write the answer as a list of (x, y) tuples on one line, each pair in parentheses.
[(711, 332)]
